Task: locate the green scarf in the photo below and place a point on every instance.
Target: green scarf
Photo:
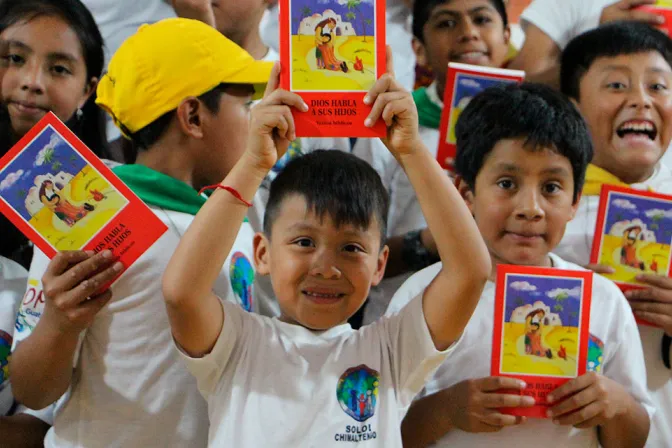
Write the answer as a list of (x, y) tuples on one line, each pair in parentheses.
[(159, 189), (429, 114)]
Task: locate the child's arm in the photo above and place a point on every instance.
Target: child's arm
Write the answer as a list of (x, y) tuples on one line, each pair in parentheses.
[(195, 313), (470, 406), (451, 298), (593, 400)]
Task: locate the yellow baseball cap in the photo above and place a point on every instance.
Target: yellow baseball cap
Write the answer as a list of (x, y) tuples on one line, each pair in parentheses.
[(168, 61)]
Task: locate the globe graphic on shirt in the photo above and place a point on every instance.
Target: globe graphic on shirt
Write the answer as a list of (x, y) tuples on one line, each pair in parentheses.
[(357, 392), (241, 274)]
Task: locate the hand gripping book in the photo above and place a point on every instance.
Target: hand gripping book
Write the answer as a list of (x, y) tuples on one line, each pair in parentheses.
[(331, 53), (463, 82), (541, 329), (662, 8), (63, 197)]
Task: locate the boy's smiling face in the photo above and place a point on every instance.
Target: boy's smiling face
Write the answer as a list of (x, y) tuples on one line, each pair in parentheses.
[(627, 103), (522, 202), (321, 274), (466, 31)]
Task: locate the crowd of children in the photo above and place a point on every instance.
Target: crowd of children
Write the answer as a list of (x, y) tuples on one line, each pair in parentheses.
[(327, 232)]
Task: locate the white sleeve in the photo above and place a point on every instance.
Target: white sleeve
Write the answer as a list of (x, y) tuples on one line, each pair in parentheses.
[(208, 369), (410, 289), (563, 20), (624, 357), (414, 357), (46, 414)]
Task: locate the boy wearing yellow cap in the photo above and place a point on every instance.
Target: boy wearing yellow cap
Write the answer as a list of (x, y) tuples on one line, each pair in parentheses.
[(180, 91)]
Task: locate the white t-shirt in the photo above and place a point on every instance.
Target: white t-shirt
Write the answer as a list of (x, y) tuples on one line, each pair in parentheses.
[(12, 285), (405, 213), (575, 246), (129, 387), (269, 383), (617, 354)]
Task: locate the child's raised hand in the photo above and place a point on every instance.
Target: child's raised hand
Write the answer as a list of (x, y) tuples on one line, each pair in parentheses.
[(71, 286), (396, 107), (653, 303), (588, 401), (474, 404), (271, 123)]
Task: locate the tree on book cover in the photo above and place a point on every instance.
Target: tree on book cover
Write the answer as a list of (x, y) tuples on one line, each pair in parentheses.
[(463, 82), (63, 197), (332, 53), (541, 333)]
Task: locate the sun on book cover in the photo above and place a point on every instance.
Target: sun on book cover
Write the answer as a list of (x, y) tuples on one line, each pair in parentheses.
[(541, 329), (63, 197), (633, 235), (463, 82), (331, 53), (662, 8)]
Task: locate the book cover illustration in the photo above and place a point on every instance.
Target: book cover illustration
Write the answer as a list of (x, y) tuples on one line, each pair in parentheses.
[(332, 52), (463, 82), (662, 8), (633, 234), (540, 329), (62, 197)]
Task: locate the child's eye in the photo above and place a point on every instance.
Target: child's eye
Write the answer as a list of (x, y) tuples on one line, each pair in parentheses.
[(551, 188), (354, 248), (60, 70), (304, 242), (616, 85), (446, 24), (13, 59), (658, 87), (505, 184), (482, 20)]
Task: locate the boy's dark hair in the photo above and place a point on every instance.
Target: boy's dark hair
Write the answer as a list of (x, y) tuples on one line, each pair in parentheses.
[(150, 134), (622, 38), (91, 127), (543, 117), (334, 183), (422, 10)]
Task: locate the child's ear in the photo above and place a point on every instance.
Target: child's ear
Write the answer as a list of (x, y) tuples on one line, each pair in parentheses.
[(575, 206), (88, 91), (380, 266), (189, 117), (262, 260), (507, 34), (466, 192), (420, 51)]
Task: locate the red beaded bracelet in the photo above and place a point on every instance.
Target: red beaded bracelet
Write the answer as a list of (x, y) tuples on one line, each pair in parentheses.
[(231, 190)]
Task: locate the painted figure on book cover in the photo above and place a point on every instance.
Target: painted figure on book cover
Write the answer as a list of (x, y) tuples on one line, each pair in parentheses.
[(58, 193), (540, 333), (333, 45)]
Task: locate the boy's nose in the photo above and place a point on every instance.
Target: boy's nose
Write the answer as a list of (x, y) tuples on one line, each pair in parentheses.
[(468, 31), (324, 266), (529, 206), (638, 97)]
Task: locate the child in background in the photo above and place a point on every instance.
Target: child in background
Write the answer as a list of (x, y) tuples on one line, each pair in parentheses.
[(620, 76), (522, 152), (467, 31), (35, 79), (180, 90), (308, 376)]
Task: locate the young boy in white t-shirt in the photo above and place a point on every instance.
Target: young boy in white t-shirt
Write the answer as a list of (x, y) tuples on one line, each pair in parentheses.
[(620, 77), (308, 377), (467, 31), (180, 91), (521, 158)]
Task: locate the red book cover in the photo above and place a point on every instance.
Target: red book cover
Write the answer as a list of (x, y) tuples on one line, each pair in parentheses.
[(633, 235), (542, 318), (63, 197), (662, 8), (463, 82), (331, 53)]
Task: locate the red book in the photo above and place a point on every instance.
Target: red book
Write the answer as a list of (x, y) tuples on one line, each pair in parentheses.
[(63, 197), (541, 329), (633, 235), (331, 53), (463, 82), (662, 8)]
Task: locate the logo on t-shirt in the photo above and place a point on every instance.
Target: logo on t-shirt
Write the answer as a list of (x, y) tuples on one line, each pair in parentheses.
[(241, 274), (357, 392), (595, 354), (5, 348)]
